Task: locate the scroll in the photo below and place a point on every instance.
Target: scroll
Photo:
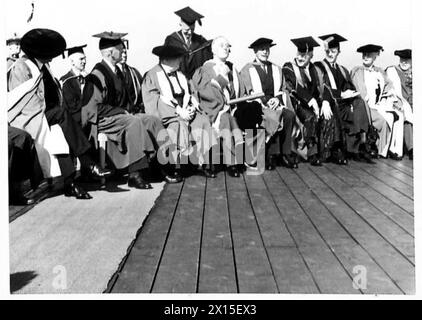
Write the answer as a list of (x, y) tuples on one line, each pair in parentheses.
[(246, 98)]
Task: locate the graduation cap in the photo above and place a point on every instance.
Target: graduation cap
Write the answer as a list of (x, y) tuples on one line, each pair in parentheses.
[(189, 16), (169, 51), (110, 39), (404, 54), (370, 48), (73, 50), (13, 39), (332, 40), (43, 43), (261, 42), (305, 44)]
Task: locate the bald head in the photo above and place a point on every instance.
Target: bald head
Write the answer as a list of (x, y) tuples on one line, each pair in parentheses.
[(221, 48)]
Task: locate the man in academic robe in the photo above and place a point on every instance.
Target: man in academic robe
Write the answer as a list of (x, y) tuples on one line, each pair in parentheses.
[(14, 49), (167, 96), (197, 47), (377, 91), (133, 80), (23, 164), (73, 82), (320, 131), (401, 77), (34, 96), (339, 94), (104, 110), (215, 83)]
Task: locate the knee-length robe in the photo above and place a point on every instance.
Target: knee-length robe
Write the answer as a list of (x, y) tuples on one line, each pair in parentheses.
[(157, 93)]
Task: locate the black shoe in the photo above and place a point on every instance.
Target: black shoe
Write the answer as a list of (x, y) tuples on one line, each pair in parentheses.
[(411, 154), (94, 171), (340, 159), (207, 172), (315, 161), (365, 156), (288, 162), (73, 190), (233, 171), (176, 177), (394, 156), (373, 154), (137, 182), (20, 200)]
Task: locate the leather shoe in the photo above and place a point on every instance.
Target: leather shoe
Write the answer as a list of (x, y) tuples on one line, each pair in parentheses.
[(207, 172), (394, 156), (287, 161), (364, 156), (271, 163), (137, 182), (73, 190), (20, 200), (340, 159), (314, 161), (173, 178), (95, 171), (233, 171)]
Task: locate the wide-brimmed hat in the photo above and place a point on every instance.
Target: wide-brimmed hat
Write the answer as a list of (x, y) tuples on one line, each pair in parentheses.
[(168, 51), (43, 43)]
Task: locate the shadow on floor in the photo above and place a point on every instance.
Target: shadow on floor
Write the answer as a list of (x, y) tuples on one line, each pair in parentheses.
[(19, 280)]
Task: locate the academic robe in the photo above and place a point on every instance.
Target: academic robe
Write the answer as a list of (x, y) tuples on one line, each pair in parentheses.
[(320, 135), (352, 113), (35, 105), (213, 92), (377, 91), (104, 109), (191, 61), (402, 83), (158, 94), (133, 81), (278, 123), (72, 87)]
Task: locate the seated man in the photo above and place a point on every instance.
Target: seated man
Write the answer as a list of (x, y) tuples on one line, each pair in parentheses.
[(401, 77), (23, 164), (376, 89), (35, 96), (73, 82), (261, 75), (215, 83), (166, 95), (105, 106), (320, 132), (197, 47), (340, 95)]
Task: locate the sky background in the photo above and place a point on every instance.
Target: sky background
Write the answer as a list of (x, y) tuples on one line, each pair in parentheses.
[(148, 22)]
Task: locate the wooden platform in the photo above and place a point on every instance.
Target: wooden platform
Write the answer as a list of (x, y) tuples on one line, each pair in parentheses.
[(310, 230)]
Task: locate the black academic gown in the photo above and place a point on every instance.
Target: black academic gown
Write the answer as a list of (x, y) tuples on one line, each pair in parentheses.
[(72, 94), (352, 113), (191, 62), (324, 133)]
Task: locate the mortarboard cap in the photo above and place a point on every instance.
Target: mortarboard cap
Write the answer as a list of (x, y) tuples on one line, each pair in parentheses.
[(405, 53), (305, 44), (110, 39), (370, 48), (73, 50), (261, 42), (332, 40), (43, 43), (189, 15), (13, 39), (168, 51)]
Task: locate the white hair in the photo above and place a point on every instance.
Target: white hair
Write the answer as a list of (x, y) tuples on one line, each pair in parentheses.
[(216, 42)]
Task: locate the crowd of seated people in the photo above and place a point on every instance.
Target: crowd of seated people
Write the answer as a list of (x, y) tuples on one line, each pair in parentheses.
[(196, 109)]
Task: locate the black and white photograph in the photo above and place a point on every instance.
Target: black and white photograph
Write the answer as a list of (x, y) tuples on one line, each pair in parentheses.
[(209, 149)]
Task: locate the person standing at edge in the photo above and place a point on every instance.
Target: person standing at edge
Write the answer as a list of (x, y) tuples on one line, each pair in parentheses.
[(197, 47)]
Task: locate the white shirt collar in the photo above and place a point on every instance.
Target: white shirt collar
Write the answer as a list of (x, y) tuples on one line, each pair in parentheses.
[(167, 69), (113, 68), (40, 64)]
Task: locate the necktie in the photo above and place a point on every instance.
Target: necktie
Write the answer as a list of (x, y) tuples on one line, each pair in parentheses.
[(81, 80), (172, 74), (119, 73)]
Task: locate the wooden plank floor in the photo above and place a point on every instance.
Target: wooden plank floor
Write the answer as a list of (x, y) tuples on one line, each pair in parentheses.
[(309, 230)]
